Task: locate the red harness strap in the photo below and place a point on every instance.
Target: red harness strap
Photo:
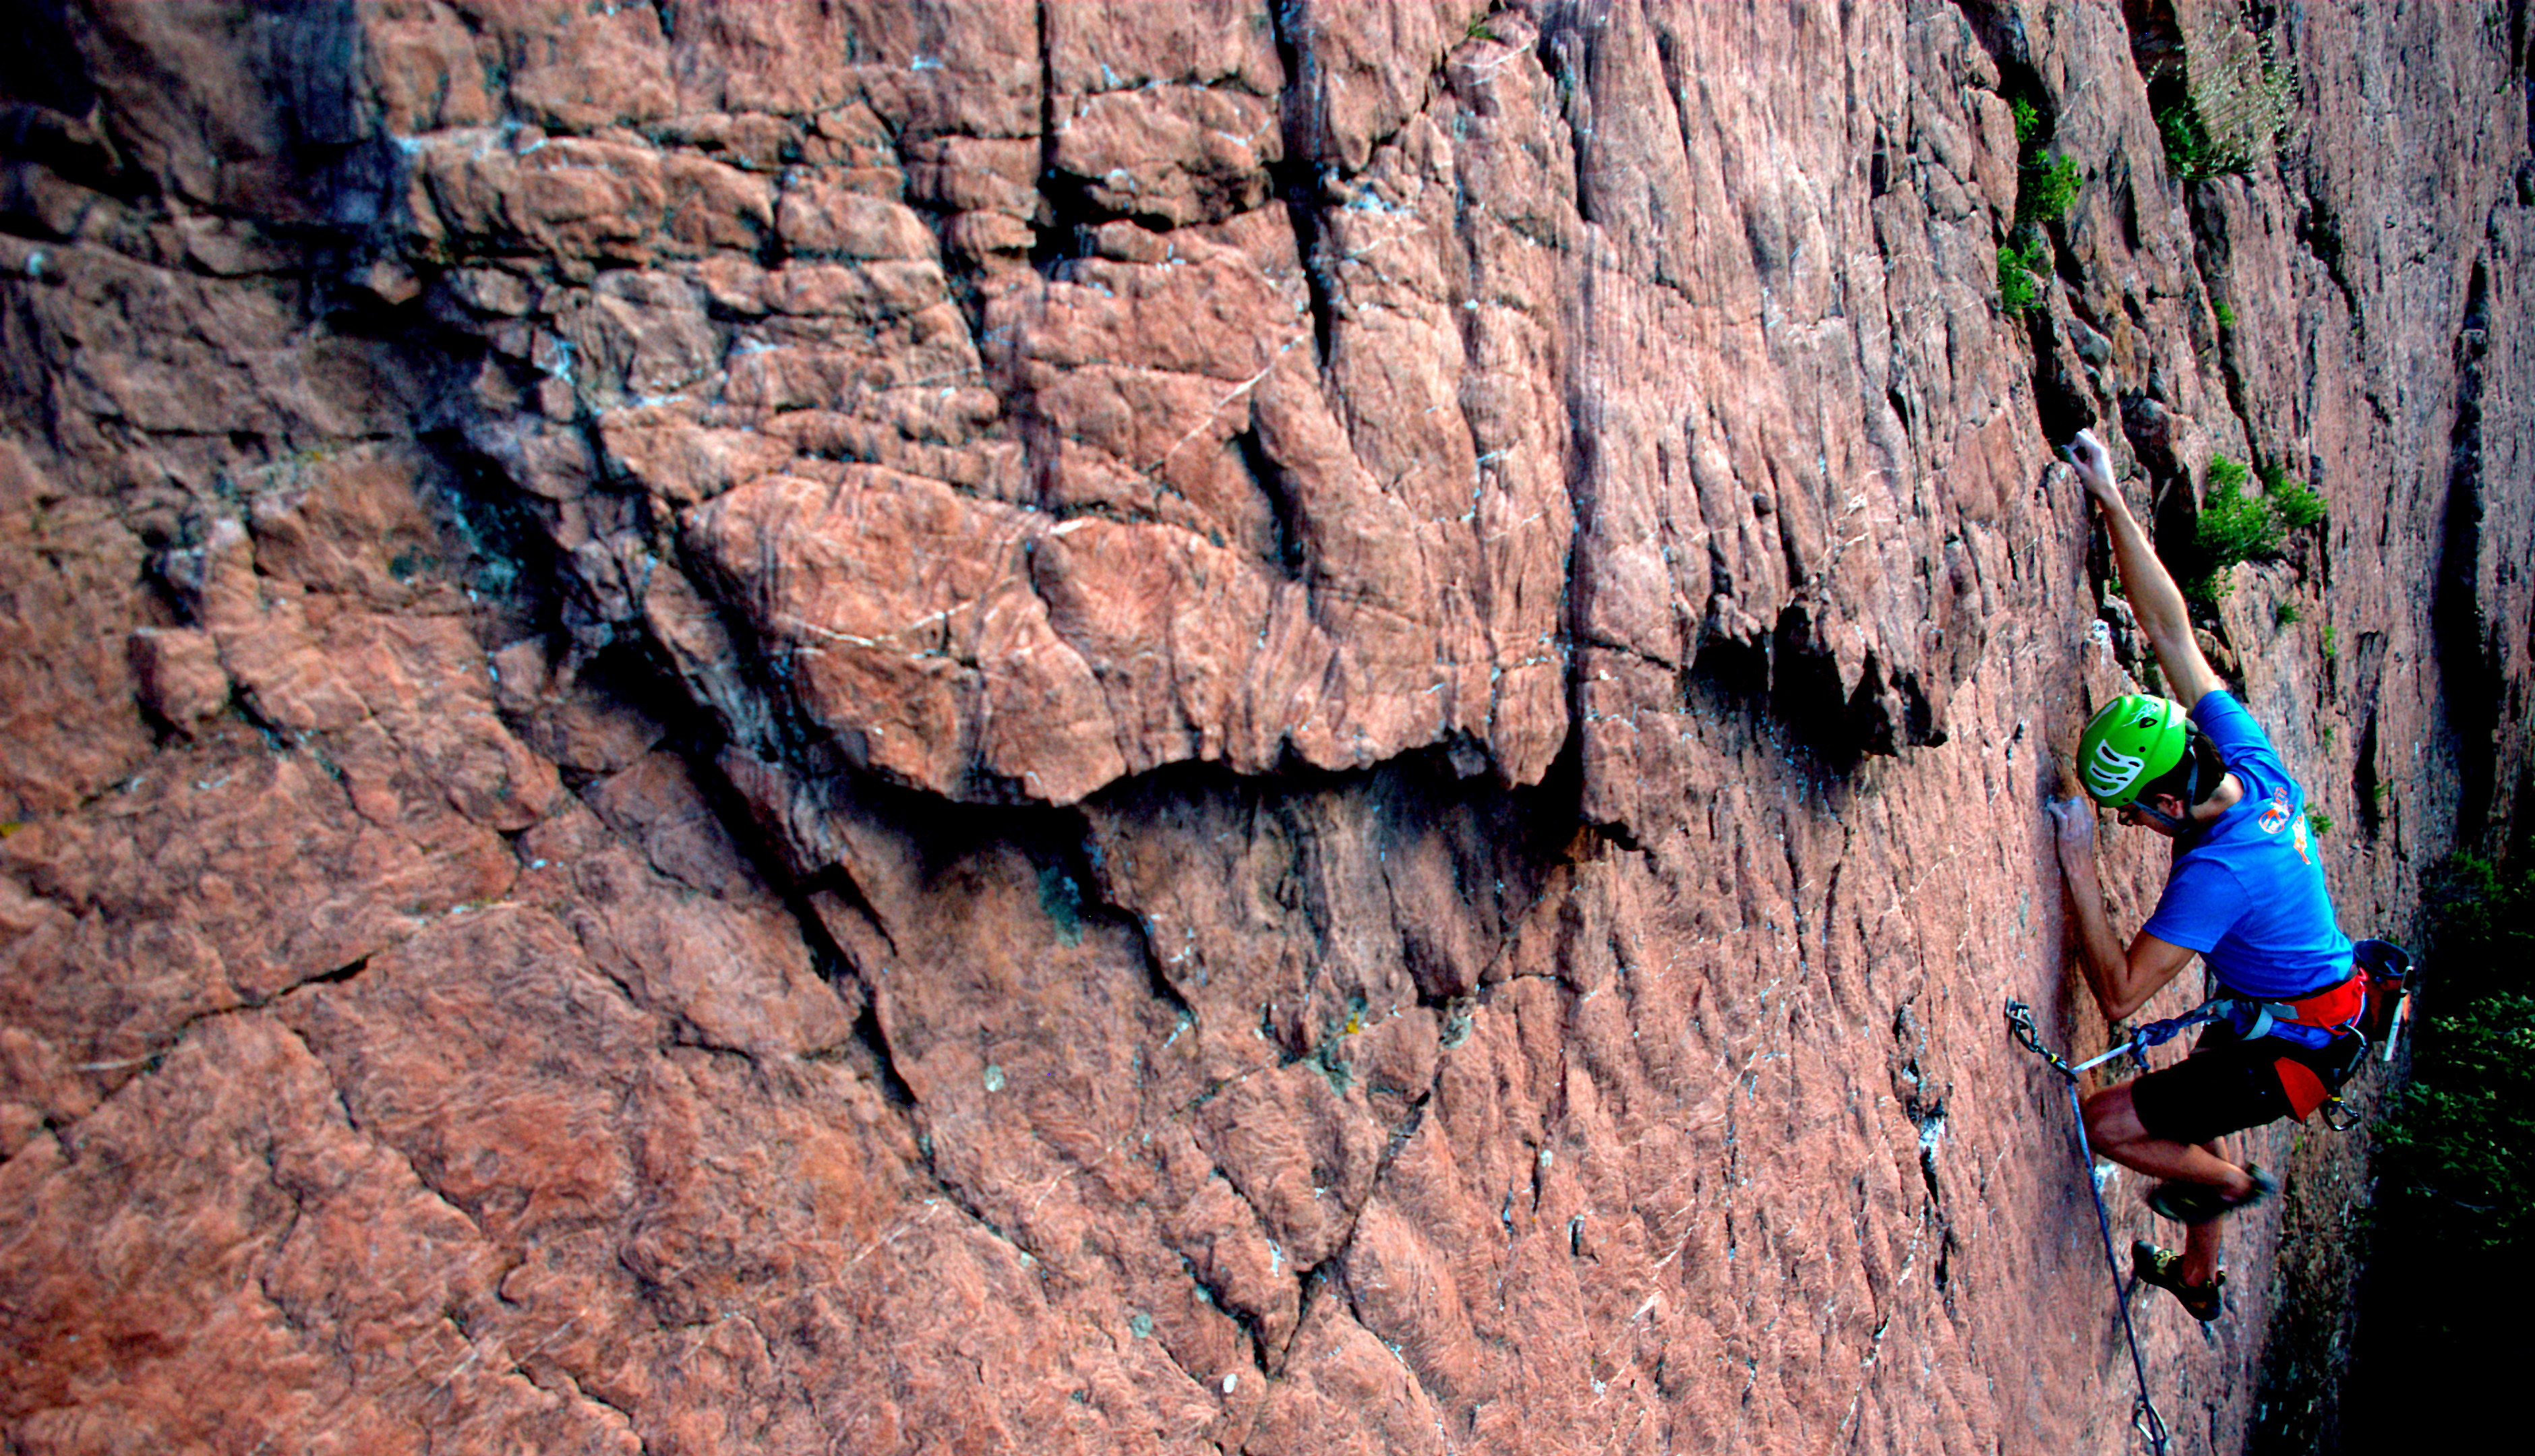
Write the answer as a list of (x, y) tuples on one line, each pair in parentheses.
[(2338, 1007)]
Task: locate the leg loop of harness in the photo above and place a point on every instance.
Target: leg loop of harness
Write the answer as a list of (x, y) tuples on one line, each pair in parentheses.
[(2306, 1090)]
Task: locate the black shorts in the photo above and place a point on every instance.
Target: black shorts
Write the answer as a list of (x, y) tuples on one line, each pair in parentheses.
[(2226, 1085)]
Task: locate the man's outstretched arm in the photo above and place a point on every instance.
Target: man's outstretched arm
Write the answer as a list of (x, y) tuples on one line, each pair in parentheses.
[(2155, 599)]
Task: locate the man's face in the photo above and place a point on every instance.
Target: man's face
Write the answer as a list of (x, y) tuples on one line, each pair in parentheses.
[(2162, 813)]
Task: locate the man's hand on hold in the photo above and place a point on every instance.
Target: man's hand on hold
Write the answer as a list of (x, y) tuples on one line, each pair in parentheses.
[(2073, 827), (2094, 464)]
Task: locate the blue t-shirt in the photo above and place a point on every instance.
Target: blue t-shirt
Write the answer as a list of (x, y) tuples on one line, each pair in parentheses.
[(2248, 892)]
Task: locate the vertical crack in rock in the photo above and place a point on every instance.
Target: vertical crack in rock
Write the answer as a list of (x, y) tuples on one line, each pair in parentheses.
[(1680, 75), (2319, 232), (1284, 503), (1252, 1327), (2060, 396), (1069, 885), (1295, 175), (2365, 780), (1565, 52), (1064, 202), (2459, 614), (2213, 260), (882, 1067)]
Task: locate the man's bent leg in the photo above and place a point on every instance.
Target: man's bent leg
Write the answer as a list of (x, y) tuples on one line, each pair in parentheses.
[(2113, 1128)]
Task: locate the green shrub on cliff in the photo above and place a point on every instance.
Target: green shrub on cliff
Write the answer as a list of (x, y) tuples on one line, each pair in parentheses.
[(2021, 270), (2045, 189), (2457, 1177), (2234, 527), (2237, 524), (2187, 150), (2298, 504), (2045, 185), (2235, 101)]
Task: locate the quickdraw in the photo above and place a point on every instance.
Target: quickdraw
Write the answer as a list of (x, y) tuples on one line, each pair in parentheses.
[(2019, 1022)]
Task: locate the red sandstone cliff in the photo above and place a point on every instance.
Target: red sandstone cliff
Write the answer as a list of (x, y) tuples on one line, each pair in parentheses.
[(752, 725)]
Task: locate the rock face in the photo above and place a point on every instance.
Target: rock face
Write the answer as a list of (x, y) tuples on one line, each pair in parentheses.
[(1130, 726)]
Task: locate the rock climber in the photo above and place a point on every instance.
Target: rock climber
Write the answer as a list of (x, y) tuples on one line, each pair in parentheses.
[(2246, 892)]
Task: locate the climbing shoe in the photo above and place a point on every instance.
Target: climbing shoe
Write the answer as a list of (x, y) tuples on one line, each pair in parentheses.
[(2199, 1203), (2163, 1267)]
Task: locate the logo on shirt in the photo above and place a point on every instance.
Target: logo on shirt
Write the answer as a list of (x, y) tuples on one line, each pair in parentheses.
[(2297, 836), (2275, 815)]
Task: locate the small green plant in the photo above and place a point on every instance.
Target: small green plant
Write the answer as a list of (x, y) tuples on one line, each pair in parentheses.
[(2226, 315), (2300, 504), (2235, 102), (2234, 527), (2319, 822), (2045, 185), (2285, 615), (2186, 142), (2021, 270), (2332, 648), (2045, 189), (2028, 122)]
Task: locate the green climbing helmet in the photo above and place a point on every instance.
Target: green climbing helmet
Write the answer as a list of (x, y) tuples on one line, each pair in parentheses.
[(2134, 739)]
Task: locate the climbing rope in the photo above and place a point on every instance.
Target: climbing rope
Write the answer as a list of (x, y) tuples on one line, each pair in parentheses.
[(2019, 1021)]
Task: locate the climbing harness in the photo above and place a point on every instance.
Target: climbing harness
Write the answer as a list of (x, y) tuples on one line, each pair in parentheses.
[(2369, 1008), (2019, 1021)]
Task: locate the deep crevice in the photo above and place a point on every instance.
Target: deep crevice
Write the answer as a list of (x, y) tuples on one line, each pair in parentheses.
[(1284, 505), (2469, 672), (1252, 1325), (883, 1070), (1805, 696), (1565, 51), (1295, 176), (41, 63), (2366, 788)]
